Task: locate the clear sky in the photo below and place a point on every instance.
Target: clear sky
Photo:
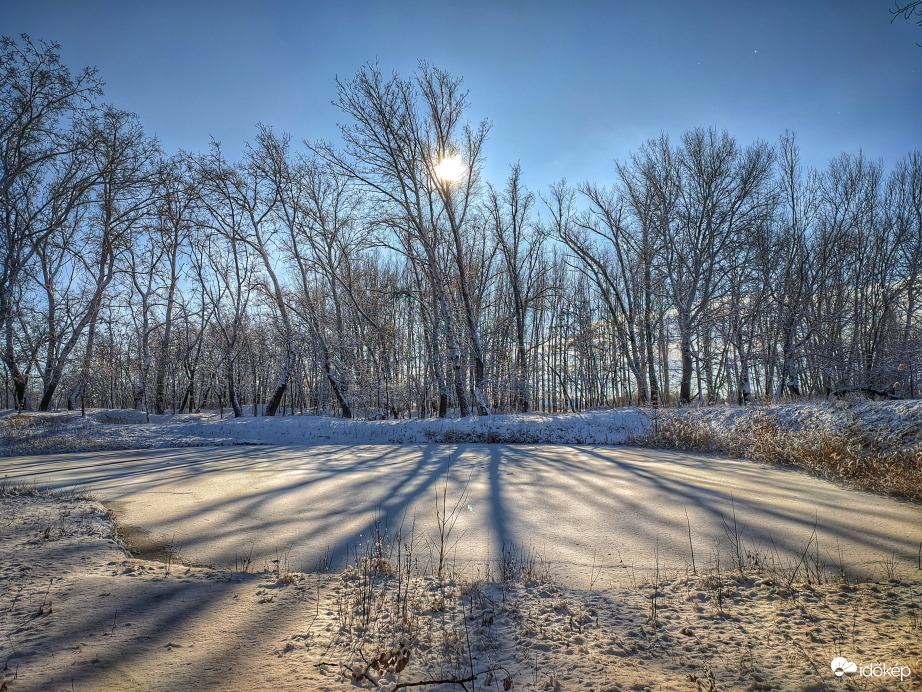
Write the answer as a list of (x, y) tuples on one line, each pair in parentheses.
[(568, 87)]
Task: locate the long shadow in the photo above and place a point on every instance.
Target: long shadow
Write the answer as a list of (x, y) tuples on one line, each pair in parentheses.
[(499, 525), (347, 488), (430, 475), (159, 467), (384, 482), (169, 611), (382, 496), (719, 503)]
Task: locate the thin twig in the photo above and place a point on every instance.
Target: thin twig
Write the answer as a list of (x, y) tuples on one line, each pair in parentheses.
[(452, 681)]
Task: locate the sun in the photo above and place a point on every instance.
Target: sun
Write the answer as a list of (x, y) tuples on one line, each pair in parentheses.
[(450, 169)]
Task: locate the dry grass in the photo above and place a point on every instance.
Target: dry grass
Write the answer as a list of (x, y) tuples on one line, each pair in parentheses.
[(394, 610), (37, 433), (402, 601), (750, 619), (486, 436), (878, 460), (16, 489)]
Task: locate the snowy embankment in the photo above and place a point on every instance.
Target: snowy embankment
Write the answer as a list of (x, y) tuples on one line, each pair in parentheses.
[(896, 425), (41, 433), (893, 424), (870, 445)]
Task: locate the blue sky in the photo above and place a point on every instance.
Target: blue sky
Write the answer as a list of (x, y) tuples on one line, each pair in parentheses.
[(568, 88)]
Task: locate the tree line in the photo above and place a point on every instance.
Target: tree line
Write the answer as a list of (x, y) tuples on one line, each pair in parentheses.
[(358, 278)]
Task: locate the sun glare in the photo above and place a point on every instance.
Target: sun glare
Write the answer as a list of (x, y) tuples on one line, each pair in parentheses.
[(449, 169)]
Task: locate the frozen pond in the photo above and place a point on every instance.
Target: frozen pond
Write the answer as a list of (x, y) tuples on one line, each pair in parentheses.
[(596, 514)]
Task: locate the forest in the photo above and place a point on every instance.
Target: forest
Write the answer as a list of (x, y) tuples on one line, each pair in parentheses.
[(383, 276)]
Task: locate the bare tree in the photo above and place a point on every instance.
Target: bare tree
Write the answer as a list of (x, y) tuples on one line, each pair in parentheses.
[(176, 206), (315, 207), (650, 187), (904, 210), (793, 267), (521, 244), (722, 191), (225, 272), (393, 150), (45, 173), (121, 155), (241, 203), (365, 279), (596, 241), (446, 103)]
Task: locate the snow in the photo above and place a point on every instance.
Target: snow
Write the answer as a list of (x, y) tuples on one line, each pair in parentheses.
[(128, 429), (579, 503), (81, 614), (296, 498)]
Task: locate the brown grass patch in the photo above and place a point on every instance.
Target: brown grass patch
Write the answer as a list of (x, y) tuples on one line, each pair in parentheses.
[(854, 454)]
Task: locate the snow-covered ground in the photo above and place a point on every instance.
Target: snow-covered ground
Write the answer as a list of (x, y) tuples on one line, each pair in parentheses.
[(579, 504), (80, 614), (37, 433), (128, 429), (606, 593)]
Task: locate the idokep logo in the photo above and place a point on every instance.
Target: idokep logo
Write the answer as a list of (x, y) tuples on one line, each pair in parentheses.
[(842, 666)]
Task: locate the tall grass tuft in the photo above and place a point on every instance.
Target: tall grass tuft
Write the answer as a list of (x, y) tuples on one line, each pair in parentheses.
[(852, 452)]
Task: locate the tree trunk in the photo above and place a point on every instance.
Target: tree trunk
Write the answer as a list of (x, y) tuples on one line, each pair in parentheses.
[(788, 376), (457, 367), (20, 379), (745, 388), (276, 399), (51, 386), (685, 384), (332, 378), (648, 334), (522, 400), (231, 389), (162, 359), (20, 389)]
